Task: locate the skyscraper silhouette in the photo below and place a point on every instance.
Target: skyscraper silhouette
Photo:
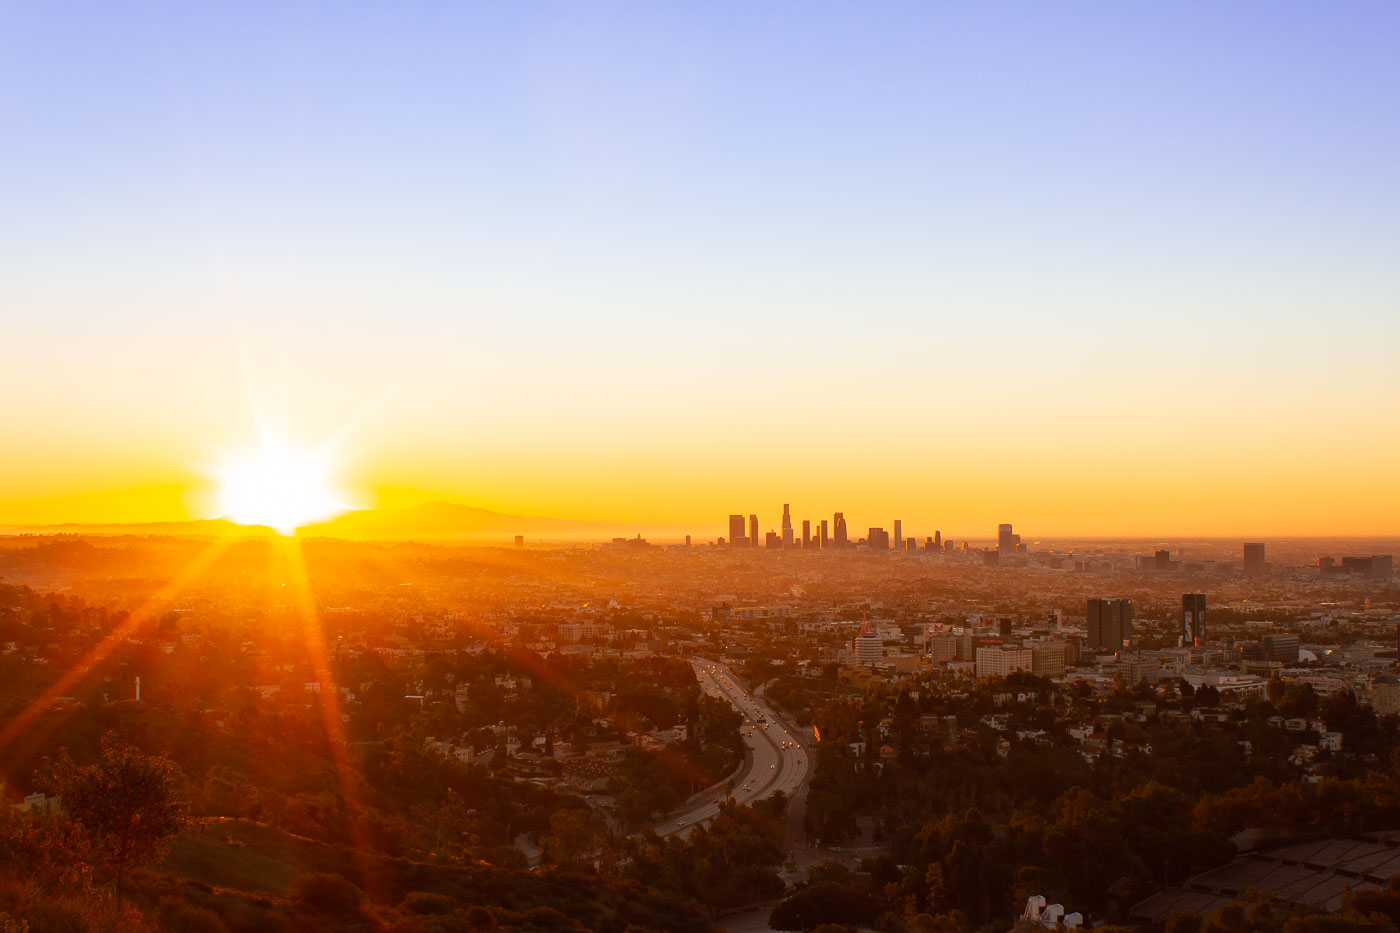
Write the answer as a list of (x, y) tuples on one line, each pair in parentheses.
[(736, 530)]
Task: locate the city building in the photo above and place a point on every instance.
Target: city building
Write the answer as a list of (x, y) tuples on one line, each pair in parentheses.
[(1110, 624), (1006, 540), (1254, 564), (753, 530), (898, 535), (736, 531), (944, 647), (1000, 660), (822, 541), (1048, 656), (878, 539), (870, 649), (1193, 619), (1281, 648), (787, 526), (578, 631), (1385, 695), (806, 532), (838, 529)]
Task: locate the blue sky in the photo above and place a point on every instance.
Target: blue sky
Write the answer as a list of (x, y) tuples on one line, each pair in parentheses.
[(1028, 206)]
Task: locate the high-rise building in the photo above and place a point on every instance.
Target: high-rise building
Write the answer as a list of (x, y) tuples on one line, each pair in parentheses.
[(1281, 648), (787, 526), (938, 540), (821, 538), (838, 529), (898, 535), (1193, 619), (1254, 564), (772, 540), (911, 544), (1110, 623), (878, 539), (806, 532), (870, 649), (736, 531), (753, 530), (1006, 540)]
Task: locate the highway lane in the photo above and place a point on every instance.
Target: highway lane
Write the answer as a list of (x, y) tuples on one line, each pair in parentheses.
[(777, 758)]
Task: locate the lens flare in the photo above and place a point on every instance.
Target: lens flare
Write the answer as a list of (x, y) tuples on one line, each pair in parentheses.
[(280, 486)]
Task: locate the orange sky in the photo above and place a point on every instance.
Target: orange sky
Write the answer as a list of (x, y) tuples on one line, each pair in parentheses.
[(662, 266)]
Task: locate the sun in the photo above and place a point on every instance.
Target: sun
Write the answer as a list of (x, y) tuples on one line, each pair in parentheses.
[(280, 486)]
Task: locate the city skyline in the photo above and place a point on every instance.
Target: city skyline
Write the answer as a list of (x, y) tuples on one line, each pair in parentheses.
[(715, 468)]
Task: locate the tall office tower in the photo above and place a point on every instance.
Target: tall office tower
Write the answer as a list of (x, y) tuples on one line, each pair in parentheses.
[(1006, 540), (806, 532), (787, 526), (928, 544), (1254, 565), (878, 539), (687, 540), (870, 648), (938, 540), (911, 544), (838, 529), (1193, 619), (736, 531), (822, 541), (1110, 623), (898, 535)]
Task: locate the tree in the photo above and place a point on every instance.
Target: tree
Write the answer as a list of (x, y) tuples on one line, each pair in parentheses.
[(128, 804)]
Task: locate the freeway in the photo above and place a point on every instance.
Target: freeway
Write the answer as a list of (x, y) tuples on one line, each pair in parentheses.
[(776, 759)]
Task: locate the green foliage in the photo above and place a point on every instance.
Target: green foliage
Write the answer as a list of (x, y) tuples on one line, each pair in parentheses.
[(328, 895), (725, 863), (824, 902), (176, 917), (128, 804)]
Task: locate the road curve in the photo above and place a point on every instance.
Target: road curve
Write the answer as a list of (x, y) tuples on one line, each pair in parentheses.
[(777, 759)]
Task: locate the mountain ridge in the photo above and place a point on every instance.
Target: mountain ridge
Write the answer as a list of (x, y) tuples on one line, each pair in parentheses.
[(427, 521)]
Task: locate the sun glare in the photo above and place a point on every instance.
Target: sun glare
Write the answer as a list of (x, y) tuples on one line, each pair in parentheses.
[(279, 486)]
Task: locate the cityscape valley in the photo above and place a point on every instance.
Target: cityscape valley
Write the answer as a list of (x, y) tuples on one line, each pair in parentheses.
[(253, 733), (613, 466)]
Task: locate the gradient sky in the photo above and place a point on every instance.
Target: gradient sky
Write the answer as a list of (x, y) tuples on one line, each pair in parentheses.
[(1118, 268)]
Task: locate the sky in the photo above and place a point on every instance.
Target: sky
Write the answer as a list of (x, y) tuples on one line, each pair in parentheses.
[(1092, 268)]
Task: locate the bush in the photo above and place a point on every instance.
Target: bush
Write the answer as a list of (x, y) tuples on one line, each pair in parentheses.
[(329, 895), (425, 902), (182, 918)]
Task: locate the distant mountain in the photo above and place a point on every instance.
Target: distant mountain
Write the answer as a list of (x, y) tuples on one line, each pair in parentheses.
[(198, 528), (453, 521), (431, 521)]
